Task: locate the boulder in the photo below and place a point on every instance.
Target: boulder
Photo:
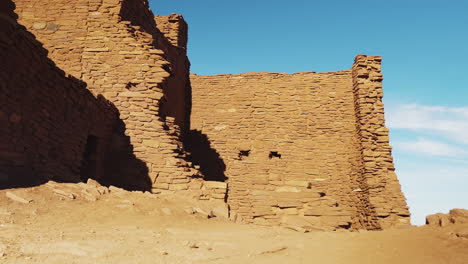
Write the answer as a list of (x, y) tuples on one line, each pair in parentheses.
[(17, 198), (459, 216), (455, 216)]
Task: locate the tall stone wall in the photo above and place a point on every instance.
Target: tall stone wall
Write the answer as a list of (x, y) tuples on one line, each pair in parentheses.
[(115, 47), (387, 203), (295, 147), (309, 148), (172, 35), (48, 121)]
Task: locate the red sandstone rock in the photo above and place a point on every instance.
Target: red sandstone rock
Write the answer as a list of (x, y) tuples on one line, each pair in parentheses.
[(439, 219), (290, 139), (459, 216), (455, 216)]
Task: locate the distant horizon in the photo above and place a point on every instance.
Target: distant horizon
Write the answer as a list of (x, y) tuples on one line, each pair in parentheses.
[(424, 65)]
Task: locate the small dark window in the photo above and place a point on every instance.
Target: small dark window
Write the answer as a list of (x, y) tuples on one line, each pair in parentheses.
[(274, 154), (243, 154), (130, 85)]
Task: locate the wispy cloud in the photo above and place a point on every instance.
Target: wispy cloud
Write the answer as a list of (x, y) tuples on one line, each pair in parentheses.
[(448, 122), (431, 147), (434, 174)]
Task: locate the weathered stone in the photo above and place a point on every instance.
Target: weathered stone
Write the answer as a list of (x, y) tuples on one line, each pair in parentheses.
[(64, 193), (93, 183), (17, 198), (215, 185), (287, 189), (202, 212), (455, 216), (132, 94), (438, 220), (96, 49), (274, 133), (178, 187), (285, 203), (285, 141), (89, 196), (114, 189), (218, 195), (304, 184), (459, 216), (39, 25), (151, 143)]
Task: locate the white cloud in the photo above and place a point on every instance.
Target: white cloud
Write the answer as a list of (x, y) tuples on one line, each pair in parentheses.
[(449, 122), (435, 176), (430, 147)]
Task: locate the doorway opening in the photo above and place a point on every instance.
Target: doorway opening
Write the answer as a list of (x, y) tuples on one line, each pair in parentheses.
[(89, 162)]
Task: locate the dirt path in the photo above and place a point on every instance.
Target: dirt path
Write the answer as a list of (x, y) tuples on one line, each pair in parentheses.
[(122, 227)]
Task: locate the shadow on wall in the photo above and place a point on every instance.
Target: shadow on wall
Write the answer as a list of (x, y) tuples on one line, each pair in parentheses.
[(176, 88), (211, 164), (109, 159), (67, 135), (122, 168), (118, 166)]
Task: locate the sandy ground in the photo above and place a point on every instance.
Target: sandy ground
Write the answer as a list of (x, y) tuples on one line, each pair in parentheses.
[(125, 227)]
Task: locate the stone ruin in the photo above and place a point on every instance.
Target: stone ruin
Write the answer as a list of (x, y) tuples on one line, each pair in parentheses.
[(102, 89), (308, 144)]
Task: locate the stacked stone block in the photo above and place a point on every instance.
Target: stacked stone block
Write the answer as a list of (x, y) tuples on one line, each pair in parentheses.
[(387, 204), (172, 33), (287, 141), (308, 147), (174, 28), (115, 47), (295, 146), (47, 119)]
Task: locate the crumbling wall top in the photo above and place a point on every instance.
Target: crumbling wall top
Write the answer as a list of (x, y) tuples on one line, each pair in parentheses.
[(174, 28)]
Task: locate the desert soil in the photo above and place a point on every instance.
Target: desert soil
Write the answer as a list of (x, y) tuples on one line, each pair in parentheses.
[(51, 226)]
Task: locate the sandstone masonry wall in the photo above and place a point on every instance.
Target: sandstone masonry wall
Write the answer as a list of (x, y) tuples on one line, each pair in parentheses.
[(116, 48), (47, 120), (295, 147), (174, 28), (172, 36), (306, 149), (387, 203)]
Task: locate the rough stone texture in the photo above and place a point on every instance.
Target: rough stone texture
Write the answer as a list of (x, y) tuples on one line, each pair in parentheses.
[(174, 28), (455, 216), (47, 119), (115, 47), (308, 144), (306, 150), (385, 202)]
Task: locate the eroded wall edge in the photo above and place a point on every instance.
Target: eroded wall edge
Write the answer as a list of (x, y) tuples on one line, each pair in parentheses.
[(386, 203)]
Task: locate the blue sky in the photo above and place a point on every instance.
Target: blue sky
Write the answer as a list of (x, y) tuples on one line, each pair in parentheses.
[(424, 45)]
